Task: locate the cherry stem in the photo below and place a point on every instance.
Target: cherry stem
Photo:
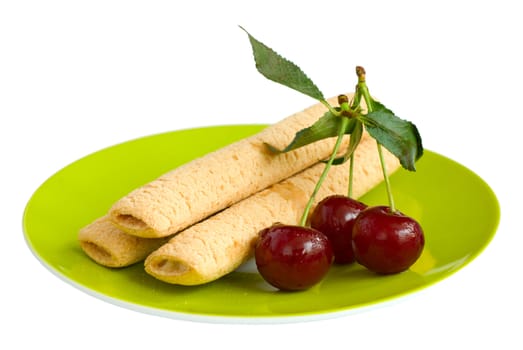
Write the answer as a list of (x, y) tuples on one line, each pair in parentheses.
[(341, 133), (344, 105), (354, 106), (363, 90), (351, 175), (386, 178), (329, 107)]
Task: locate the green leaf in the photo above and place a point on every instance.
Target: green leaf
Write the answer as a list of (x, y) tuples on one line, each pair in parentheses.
[(399, 136), (325, 127), (276, 68), (355, 138)]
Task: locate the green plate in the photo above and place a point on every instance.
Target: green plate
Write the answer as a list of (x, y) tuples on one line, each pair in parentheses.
[(457, 209)]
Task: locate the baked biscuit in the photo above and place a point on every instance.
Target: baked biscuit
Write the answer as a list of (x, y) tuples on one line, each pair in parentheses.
[(216, 246), (109, 246), (206, 185)]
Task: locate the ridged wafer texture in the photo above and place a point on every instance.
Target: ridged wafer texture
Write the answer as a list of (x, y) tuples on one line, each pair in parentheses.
[(219, 179), (109, 246), (215, 247)]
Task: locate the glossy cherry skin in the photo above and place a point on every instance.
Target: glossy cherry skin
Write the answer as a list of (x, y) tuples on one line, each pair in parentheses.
[(386, 242), (293, 257), (334, 216)]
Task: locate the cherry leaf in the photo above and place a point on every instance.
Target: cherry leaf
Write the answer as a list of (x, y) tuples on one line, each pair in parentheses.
[(279, 69), (327, 126), (399, 136)]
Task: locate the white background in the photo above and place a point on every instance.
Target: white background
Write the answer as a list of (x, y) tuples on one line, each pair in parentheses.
[(78, 76)]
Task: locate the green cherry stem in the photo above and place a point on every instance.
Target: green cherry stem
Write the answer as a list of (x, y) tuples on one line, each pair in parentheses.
[(351, 176), (345, 107), (354, 106), (341, 132), (386, 178), (329, 107), (364, 91)]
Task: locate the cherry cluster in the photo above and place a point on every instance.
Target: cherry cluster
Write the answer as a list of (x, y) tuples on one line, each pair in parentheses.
[(342, 231)]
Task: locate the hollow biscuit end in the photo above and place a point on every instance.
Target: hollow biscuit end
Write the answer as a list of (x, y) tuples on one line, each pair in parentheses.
[(131, 222), (99, 254), (167, 267), (134, 226)]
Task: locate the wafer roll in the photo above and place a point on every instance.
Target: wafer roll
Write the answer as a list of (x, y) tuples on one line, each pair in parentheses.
[(216, 246), (219, 179), (109, 246)]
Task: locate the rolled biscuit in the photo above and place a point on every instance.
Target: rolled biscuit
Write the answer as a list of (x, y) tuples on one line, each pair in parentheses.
[(219, 179), (109, 246), (216, 246)]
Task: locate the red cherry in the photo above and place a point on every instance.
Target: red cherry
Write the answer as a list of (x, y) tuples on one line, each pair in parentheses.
[(292, 257), (334, 216), (386, 242)]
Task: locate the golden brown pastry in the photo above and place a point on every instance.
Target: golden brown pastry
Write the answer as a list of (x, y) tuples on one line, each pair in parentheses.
[(106, 244), (216, 246), (219, 179)]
